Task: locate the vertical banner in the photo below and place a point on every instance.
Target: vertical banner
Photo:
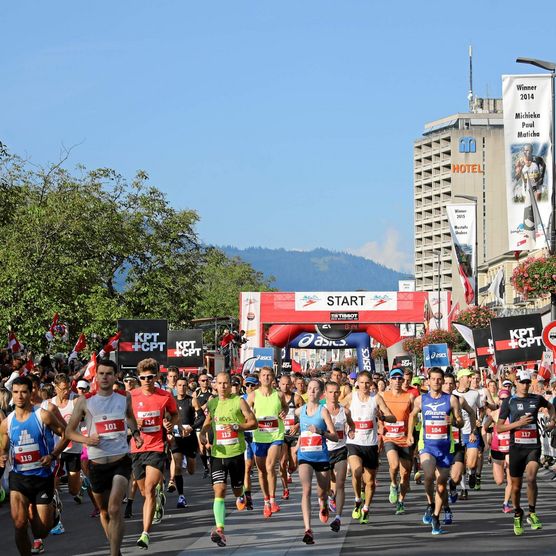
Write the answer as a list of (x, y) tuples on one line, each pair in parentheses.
[(528, 145), (517, 338), (463, 229), (250, 321)]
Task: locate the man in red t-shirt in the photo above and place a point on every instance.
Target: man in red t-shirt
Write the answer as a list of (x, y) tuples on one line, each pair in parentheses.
[(156, 413)]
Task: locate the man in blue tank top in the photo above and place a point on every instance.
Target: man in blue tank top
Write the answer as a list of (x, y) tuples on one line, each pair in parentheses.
[(26, 436), (435, 443)]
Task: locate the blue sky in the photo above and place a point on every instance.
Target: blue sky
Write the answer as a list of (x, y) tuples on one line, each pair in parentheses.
[(284, 124)]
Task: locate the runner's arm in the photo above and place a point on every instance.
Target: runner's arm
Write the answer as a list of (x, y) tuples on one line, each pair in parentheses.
[(4, 442), (206, 426), (349, 421), (387, 415), (412, 418), (456, 411), (250, 419), (132, 422), (71, 428), (52, 422), (330, 432)]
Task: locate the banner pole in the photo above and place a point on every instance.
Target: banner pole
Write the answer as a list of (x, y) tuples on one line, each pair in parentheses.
[(553, 215)]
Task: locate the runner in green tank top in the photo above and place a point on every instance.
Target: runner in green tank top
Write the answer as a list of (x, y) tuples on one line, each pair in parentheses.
[(270, 408), (229, 416)]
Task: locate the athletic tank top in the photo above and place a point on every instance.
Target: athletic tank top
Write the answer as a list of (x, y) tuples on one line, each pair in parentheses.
[(226, 444), (290, 420), (436, 422), (500, 441), (72, 447), (400, 407), (106, 417), (311, 446), (269, 425), (340, 422), (28, 444), (364, 418)]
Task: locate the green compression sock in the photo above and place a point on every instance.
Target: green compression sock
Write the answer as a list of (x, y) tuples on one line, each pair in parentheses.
[(219, 509)]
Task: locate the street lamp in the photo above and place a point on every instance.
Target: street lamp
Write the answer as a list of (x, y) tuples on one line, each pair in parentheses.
[(474, 199), (551, 67), (438, 315)]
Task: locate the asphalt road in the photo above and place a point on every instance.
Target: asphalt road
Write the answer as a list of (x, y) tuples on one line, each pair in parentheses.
[(479, 527)]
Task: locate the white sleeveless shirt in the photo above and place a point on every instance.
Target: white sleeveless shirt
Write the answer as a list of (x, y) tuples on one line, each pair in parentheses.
[(364, 417), (340, 422)]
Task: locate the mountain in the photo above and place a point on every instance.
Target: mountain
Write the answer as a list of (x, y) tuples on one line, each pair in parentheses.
[(318, 270)]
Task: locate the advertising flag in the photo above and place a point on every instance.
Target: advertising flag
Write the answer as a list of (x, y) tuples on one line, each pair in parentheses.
[(185, 348), (528, 145), (462, 229), (139, 339), (517, 338)]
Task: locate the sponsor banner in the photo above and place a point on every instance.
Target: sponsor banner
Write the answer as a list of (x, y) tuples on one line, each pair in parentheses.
[(484, 347), (264, 357), (528, 145), (346, 301), (344, 316), (250, 321), (406, 285), (461, 219), (436, 355), (141, 339), (309, 340), (517, 338), (185, 348), (436, 311), (403, 361)]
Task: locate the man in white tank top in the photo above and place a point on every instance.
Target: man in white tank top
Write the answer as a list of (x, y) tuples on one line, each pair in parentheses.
[(107, 415), (363, 447)]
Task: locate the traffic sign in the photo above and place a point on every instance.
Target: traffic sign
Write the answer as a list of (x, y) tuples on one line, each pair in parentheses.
[(549, 335)]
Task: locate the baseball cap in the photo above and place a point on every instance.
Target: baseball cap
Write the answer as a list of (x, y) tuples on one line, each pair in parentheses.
[(251, 380), (353, 375), (504, 392), (396, 372), (236, 381), (83, 384), (523, 376), (464, 372), (416, 381), (508, 383), (130, 376)]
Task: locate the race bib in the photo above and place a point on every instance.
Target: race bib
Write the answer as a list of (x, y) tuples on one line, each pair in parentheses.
[(364, 426), (268, 424), (456, 434), (226, 438), (527, 435), (151, 421), (109, 426), (436, 430), (341, 434), (309, 442), (289, 421), (27, 457), (395, 430), (504, 442)]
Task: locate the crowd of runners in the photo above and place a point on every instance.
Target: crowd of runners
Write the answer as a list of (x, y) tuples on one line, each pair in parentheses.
[(145, 431)]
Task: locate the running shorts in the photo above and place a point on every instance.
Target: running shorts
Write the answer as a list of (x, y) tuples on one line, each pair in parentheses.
[(520, 457), (141, 460), (233, 467), (404, 452), (367, 454), (102, 474), (336, 456), (38, 490)]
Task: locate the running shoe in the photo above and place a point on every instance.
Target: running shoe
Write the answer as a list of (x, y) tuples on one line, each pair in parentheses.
[(289, 478), (323, 513), (478, 484), (286, 494), (217, 536), (240, 503), (472, 481), (436, 527), (249, 501), (464, 494), (400, 508), (427, 516), (534, 521), (364, 517), (206, 473), (96, 513), (38, 547), (171, 486), (274, 507), (335, 525), (393, 496), (58, 529), (448, 517), (506, 508), (182, 502), (78, 498), (518, 525), (332, 504), (143, 541), (2, 494), (417, 477), (308, 537), (356, 513), (453, 495), (267, 511)]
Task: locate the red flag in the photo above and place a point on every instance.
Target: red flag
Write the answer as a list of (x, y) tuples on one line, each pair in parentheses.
[(91, 368), (468, 287), (81, 344), (50, 334), (13, 344), (545, 371), (491, 364), (112, 344), (296, 367)]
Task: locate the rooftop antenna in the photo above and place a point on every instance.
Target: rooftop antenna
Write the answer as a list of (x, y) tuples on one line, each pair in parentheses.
[(470, 96)]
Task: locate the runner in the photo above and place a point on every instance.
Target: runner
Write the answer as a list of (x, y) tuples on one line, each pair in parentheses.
[(301, 387), (184, 443), (270, 407), (105, 415), (203, 394), (150, 406), (251, 383), (315, 426), (525, 450), (435, 444), (288, 458), (363, 447), (229, 417), (398, 452), (171, 380), (26, 436), (337, 452)]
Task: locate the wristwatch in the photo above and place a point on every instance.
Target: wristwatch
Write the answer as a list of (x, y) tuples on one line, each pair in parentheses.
[(235, 427)]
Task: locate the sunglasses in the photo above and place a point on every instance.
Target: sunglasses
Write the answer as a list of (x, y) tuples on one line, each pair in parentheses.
[(250, 385), (525, 382), (146, 377), (396, 378)]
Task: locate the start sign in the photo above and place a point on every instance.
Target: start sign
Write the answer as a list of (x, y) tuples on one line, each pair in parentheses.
[(549, 335)]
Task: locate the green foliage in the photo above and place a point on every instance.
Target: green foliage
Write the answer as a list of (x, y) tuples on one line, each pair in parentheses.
[(94, 247)]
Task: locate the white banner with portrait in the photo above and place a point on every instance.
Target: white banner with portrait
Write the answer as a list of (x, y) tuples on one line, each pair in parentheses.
[(528, 145)]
